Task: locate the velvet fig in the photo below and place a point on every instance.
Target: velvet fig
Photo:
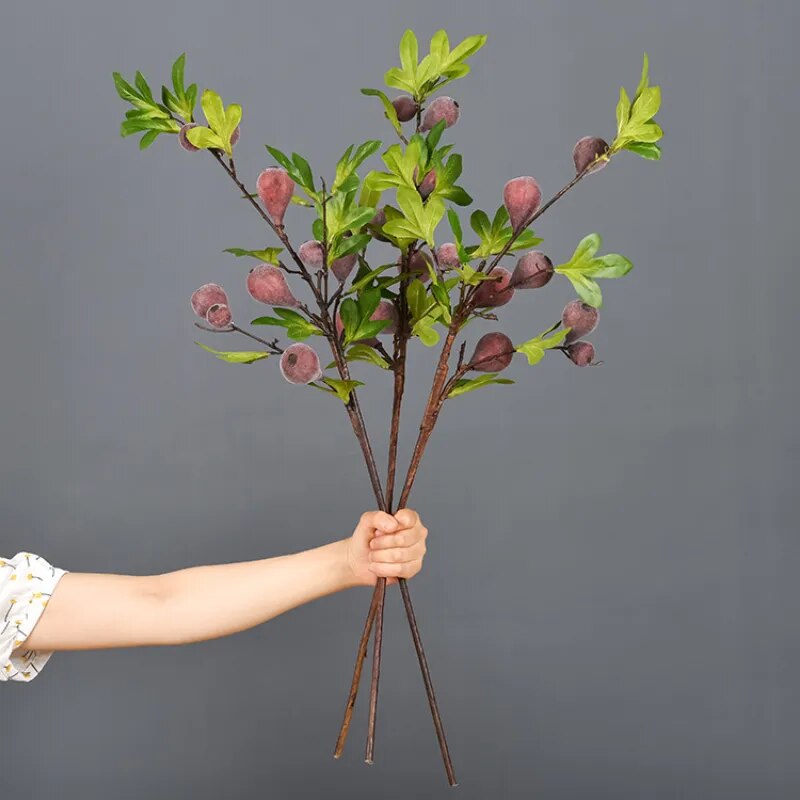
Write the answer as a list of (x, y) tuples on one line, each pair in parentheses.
[(494, 293), (343, 266), (521, 197), (267, 284), (493, 353), (385, 310), (586, 151), (206, 296), (581, 353), (275, 188), (219, 316), (405, 107), (183, 139), (310, 253), (447, 256), (580, 318), (300, 364), (532, 271), (428, 185), (442, 108), (418, 266)]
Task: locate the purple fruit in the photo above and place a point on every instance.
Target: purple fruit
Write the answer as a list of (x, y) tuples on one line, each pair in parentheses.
[(183, 139), (267, 284), (498, 292), (428, 185), (235, 136), (386, 310), (376, 224), (447, 256), (586, 151), (300, 364), (206, 296), (343, 266), (219, 316), (405, 107), (418, 266), (521, 197), (580, 318), (533, 271), (275, 188), (493, 353), (310, 253), (442, 108), (581, 353)]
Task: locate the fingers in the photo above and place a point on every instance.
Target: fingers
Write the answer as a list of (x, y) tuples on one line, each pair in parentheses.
[(407, 570), (378, 521), (404, 538), (399, 555), (407, 518)]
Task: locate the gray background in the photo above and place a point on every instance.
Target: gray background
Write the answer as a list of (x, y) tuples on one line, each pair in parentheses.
[(610, 600)]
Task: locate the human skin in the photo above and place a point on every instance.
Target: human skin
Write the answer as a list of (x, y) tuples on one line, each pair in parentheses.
[(97, 611)]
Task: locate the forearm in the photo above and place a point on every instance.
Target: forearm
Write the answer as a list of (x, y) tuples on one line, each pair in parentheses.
[(98, 611)]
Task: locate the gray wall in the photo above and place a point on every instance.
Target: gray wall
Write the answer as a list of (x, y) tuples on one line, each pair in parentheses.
[(610, 599)]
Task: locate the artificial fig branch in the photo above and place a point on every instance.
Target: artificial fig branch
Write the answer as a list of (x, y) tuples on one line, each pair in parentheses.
[(374, 264)]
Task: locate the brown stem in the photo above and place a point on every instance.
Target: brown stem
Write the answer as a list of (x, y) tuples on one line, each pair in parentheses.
[(351, 698)]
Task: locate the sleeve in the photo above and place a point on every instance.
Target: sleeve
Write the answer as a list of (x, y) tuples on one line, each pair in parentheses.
[(26, 584)]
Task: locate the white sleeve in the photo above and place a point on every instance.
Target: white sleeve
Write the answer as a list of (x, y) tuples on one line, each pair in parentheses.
[(26, 583)]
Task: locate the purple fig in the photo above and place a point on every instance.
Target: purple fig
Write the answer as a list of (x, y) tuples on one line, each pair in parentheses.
[(183, 139), (580, 318), (588, 150), (581, 353), (533, 271), (442, 108), (405, 107), (493, 353), (498, 292), (206, 296), (275, 188), (310, 253), (343, 266), (521, 197), (418, 267), (428, 185), (386, 310), (235, 136), (447, 256), (219, 316), (267, 284), (300, 364)]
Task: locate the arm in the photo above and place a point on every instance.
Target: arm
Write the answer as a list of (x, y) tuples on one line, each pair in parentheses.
[(90, 611)]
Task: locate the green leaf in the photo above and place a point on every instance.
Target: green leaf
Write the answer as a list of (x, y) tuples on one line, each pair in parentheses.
[(204, 138), (240, 357), (125, 90), (644, 149), (587, 288), (465, 385), (342, 388), (177, 76), (297, 326), (144, 89), (350, 318), (282, 159), (214, 111), (623, 110), (417, 298), (481, 225), (409, 54), (427, 334), (646, 105), (148, 139), (363, 352), (269, 255), (534, 349), (644, 80), (586, 248), (349, 245), (389, 109), (304, 171), (612, 265)]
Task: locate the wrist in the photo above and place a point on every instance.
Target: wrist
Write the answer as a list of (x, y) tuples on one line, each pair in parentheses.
[(346, 565)]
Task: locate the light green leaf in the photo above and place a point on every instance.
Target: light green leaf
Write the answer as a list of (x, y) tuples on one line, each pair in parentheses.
[(644, 80), (623, 110), (586, 248), (409, 53), (342, 388), (214, 111), (177, 76), (363, 352), (389, 109), (240, 357), (645, 150), (269, 255), (646, 106), (587, 289), (204, 138), (427, 334), (534, 349), (470, 384), (148, 139)]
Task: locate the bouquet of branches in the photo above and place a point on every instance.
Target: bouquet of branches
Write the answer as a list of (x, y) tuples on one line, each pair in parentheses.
[(364, 306)]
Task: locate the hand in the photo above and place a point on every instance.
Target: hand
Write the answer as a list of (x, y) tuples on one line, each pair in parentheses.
[(386, 546)]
